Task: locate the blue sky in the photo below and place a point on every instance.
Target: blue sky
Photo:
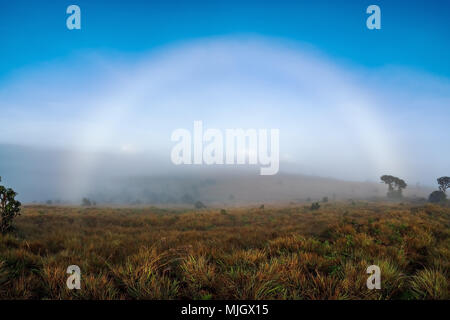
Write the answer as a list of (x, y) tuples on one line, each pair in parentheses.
[(414, 33), (350, 102)]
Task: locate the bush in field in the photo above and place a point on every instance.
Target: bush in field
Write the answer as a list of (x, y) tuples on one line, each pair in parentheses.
[(396, 186), (9, 208), (440, 196), (86, 202), (315, 206), (437, 196), (199, 205)]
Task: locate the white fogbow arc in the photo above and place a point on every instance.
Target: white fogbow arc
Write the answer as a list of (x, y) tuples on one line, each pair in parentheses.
[(326, 118)]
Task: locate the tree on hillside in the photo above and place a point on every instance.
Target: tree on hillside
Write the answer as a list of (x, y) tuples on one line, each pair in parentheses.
[(396, 186), (389, 180), (9, 208), (444, 183), (401, 184)]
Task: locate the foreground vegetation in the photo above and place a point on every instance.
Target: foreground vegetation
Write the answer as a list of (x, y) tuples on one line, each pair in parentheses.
[(254, 253)]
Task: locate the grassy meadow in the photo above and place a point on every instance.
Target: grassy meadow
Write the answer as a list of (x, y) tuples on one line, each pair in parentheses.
[(289, 252)]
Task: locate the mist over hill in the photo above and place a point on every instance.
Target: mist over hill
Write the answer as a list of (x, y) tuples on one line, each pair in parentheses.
[(63, 176)]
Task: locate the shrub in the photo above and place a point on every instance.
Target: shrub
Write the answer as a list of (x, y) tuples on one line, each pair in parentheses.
[(437, 196), (9, 208), (199, 205), (429, 284), (86, 202), (315, 206)]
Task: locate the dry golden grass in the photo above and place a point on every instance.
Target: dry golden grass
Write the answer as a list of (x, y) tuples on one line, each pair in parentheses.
[(275, 253)]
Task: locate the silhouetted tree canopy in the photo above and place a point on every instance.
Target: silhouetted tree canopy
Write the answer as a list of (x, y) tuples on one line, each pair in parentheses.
[(389, 180), (394, 182), (444, 183)]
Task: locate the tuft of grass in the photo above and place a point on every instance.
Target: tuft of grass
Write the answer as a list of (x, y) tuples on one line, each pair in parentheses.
[(430, 284)]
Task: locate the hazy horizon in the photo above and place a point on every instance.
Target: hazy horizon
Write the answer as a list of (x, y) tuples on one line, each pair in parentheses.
[(41, 174)]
